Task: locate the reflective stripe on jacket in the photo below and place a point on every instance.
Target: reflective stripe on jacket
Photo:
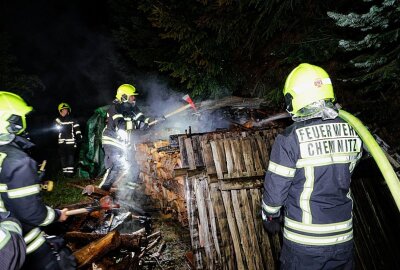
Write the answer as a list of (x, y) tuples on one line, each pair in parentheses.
[(68, 130), (20, 190), (309, 173), (124, 119)]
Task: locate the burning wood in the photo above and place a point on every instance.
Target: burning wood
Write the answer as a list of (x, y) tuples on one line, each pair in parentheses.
[(95, 250), (128, 241)]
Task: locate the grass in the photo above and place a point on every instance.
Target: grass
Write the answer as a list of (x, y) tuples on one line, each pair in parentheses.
[(65, 194)]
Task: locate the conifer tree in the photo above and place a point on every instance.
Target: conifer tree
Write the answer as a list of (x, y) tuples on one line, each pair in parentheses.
[(372, 74), (376, 53)]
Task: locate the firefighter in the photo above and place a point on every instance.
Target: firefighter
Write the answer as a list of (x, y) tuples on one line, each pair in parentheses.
[(12, 245), (309, 175), (69, 136), (123, 117), (19, 184)]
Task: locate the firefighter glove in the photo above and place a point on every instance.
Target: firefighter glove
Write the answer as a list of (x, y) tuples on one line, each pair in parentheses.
[(271, 224), (144, 126), (79, 139)]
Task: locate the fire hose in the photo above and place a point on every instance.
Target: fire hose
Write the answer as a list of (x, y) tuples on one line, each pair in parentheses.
[(377, 153)]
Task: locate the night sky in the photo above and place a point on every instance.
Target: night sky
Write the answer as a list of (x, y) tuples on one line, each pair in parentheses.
[(68, 45)]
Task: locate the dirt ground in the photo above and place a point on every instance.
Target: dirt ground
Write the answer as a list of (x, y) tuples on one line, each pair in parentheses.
[(175, 236), (177, 243)]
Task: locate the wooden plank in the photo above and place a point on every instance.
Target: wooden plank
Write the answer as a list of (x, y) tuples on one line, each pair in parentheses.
[(250, 218), (237, 157), (208, 157), (182, 150), (213, 225), (227, 253), (264, 151), (192, 220), (265, 245), (186, 171), (242, 227), (240, 184), (256, 156), (229, 158), (222, 154), (218, 157), (248, 156), (233, 229), (190, 153), (203, 221), (198, 157)]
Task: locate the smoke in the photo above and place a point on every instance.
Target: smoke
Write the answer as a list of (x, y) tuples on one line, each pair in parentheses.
[(156, 99)]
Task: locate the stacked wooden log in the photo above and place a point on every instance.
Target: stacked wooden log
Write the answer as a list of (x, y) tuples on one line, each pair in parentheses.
[(157, 162)]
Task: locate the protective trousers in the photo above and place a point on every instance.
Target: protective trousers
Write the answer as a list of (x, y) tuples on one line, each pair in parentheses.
[(67, 158), (297, 256), (114, 163)]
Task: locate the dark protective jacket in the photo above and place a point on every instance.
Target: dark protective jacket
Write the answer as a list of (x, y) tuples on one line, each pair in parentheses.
[(12, 245), (309, 173), (20, 191), (122, 116), (69, 131)]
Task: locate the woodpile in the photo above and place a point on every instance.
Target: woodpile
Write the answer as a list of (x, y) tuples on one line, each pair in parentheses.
[(212, 182), (224, 177), (157, 162)]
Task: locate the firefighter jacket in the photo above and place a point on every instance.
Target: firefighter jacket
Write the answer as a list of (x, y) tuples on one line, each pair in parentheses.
[(122, 117), (12, 245), (69, 131), (309, 173), (20, 191)]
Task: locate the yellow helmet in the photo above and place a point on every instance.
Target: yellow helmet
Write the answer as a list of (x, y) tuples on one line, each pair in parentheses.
[(64, 105), (13, 110), (305, 85), (125, 91)]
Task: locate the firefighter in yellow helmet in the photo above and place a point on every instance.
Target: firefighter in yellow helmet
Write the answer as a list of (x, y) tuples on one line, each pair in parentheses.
[(123, 117), (309, 175), (69, 137), (19, 184)]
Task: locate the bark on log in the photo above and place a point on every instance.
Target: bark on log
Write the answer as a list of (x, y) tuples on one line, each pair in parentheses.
[(97, 249)]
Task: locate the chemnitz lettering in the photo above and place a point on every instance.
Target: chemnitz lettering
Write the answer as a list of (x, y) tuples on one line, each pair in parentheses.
[(328, 139)]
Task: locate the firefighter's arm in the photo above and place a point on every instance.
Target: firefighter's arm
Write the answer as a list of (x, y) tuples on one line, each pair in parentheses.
[(78, 132), (140, 120), (23, 195), (278, 178), (58, 125)]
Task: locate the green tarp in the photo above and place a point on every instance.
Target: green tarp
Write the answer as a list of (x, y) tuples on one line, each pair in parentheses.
[(91, 156)]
